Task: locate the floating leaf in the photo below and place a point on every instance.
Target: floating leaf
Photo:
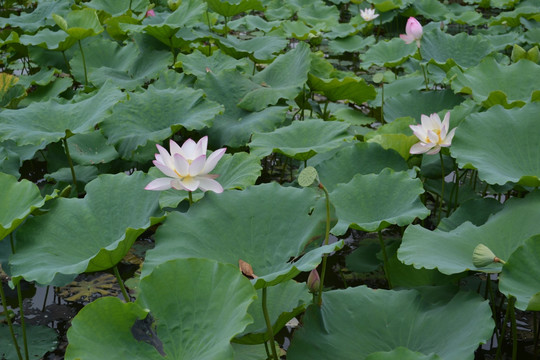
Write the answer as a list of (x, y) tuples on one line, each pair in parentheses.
[(164, 312), (229, 8), (119, 7), (53, 249), (430, 321), (261, 48), (387, 53), (88, 290), (348, 88), (199, 64), (42, 340)]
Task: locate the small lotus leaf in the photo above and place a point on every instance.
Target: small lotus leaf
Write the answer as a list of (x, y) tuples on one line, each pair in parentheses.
[(387, 53), (505, 156), (490, 83), (302, 139), (348, 88), (374, 201), (350, 44), (91, 149), (119, 7), (520, 276), (283, 79), (53, 248), (451, 252), (261, 48), (40, 17), (317, 13), (42, 340), (229, 8), (199, 64), (267, 226), (19, 199), (80, 24), (401, 85), (359, 321), (177, 314)]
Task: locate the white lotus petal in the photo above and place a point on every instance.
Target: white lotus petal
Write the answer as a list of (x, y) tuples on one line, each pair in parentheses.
[(190, 183), (197, 165), (202, 145), (175, 148), (435, 150), (433, 138), (159, 184), (165, 169), (212, 160), (181, 165), (165, 156), (420, 148), (190, 149), (207, 183)]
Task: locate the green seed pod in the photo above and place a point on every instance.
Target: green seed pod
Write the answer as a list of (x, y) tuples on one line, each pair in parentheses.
[(483, 256)]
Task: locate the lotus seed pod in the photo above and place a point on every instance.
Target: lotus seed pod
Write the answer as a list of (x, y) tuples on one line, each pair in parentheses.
[(483, 256)]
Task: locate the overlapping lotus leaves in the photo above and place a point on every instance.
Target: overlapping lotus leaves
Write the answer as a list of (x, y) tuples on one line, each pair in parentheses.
[(119, 7), (396, 136), (375, 201), (261, 48), (302, 139), (250, 352), (451, 252), (19, 199), (526, 9), (40, 17), (401, 353), (476, 211), (79, 24), (446, 50), (48, 39), (387, 53), (10, 91), (285, 301), (155, 115), (199, 64), (490, 83), (520, 275), (511, 155), (317, 13), (399, 86), (283, 79), (50, 121), (43, 340), (91, 149), (268, 226), (90, 234), (350, 44), (230, 8), (357, 158), (298, 30), (348, 88), (235, 126), (186, 309), (359, 321)]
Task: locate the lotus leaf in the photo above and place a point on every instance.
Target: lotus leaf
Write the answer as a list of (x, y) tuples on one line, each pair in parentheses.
[(359, 321), (375, 201), (387, 53), (401, 353), (40, 17), (53, 249), (477, 211), (229, 8), (267, 226), (198, 64), (79, 24), (43, 340), (260, 48), (119, 7), (348, 88), (91, 149), (451, 252), (177, 314)]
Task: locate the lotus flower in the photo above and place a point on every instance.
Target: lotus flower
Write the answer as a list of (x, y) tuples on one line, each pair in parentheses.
[(368, 14), (413, 31), (313, 281), (432, 134), (150, 13), (187, 167)]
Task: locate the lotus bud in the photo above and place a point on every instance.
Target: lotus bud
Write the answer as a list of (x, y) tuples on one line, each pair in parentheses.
[(483, 256), (174, 4), (313, 281)]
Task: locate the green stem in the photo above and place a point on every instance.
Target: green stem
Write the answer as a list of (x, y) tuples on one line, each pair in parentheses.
[(121, 283), (514, 328), (209, 25), (67, 62), (269, 329), (45, 298), (326, 236), (23, 322), (190, 197), (84, 64), (442, 189), (385, 259), (425, 76), (536, 325), (509, 309), (382, 103), (66, 148), (8, 320)]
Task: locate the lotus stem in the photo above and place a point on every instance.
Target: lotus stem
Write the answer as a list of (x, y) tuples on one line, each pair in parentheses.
[(536, 325), (269, 329), (190, 197), (509, 310), (66, 148), (385, 259), (425, 76), (514, 328), (45, 298), (382, 103), (326, 236), (84, 64), (66, 61), (23, 322), (8, 320), (121, 283), (441, 200)]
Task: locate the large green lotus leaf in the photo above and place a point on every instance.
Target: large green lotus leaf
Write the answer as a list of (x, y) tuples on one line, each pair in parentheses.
[(265, 226), (199, 64), (127, 66), (402, 85), (302, 139), (80, 24), (490, 83), (284, 301), (520, 275), (315, 14), (46, 38), (359, 321), (50, 121), (350, 44), (229, 8), (40, 17), (119, 7), (250, 352), (155, 115), (431, 9), (12, 156), (283, 79), (91, 149), (42, 339), (297, 30), (19, 199), (416, 103), (236, 171), (387, 53), (186, 309), (348, 88), (451, 252), (446, 50), (401, 353), (502, 144), (236, 125), (55, 246), (357, 158), (260, 48), (375, 201), (477, 211)]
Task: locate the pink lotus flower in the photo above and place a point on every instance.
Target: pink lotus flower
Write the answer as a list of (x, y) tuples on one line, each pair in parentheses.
[(150, 13), (413, 31), (187, 167), (432, 134)]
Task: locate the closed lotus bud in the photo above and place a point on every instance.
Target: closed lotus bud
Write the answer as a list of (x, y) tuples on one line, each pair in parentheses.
[(313, 281), (483, 256)]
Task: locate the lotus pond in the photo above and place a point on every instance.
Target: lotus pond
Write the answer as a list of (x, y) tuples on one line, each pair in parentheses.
[(264, 179)]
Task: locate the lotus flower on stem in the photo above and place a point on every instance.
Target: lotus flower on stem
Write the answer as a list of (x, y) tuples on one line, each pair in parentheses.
[(187, 167), (433, 134), (413, 31), (368, 14)]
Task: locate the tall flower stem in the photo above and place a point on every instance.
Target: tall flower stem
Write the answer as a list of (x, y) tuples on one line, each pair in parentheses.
[(8, 320), (425, 76), (326, 236), (269, 329), (442, 189), (385, 259), (121, 283), (84, 64), (66, 148), (23, 322), (190, 197)]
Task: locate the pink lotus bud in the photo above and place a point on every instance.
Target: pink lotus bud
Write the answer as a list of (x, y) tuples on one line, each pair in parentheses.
[(313, 281), (150, 13), (413, 31)]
